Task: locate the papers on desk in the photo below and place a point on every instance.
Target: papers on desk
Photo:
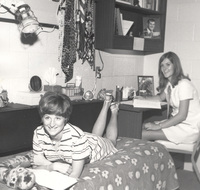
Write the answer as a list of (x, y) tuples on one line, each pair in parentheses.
[(138, 103), (53, 180), (144, 103)]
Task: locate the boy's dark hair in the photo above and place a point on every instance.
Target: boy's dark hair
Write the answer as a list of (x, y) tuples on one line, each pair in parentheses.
[(56, 104)]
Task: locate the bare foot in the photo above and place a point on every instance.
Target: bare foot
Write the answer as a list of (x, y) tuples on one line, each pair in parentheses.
[(114, 107), (108, 100)]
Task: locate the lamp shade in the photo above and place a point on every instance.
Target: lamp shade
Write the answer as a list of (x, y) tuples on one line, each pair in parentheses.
[(27, 21)]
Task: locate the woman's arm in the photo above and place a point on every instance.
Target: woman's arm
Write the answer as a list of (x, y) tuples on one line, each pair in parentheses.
[(41, 162), (39, 159), (178, 118), (160, 97), (77, 168)]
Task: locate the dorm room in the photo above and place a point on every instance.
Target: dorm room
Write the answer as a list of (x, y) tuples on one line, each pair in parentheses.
[(115, 63)]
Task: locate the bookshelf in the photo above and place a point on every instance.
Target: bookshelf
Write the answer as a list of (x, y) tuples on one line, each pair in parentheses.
[(109, 38)]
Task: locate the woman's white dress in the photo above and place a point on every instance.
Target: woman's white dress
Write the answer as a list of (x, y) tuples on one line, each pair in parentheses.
[(188, 130)]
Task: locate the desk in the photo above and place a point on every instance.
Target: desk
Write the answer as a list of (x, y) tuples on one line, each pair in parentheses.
[(130, 119)]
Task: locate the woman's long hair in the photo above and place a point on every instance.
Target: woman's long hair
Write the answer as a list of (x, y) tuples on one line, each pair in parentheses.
[(178, 71)]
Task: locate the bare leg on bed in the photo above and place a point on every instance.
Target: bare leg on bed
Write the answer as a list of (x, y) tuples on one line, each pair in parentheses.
[(100, 124)]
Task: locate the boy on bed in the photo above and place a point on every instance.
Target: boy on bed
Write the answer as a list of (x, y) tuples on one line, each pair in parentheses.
[(63, 147)]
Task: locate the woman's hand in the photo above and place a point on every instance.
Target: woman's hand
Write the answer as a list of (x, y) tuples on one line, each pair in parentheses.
[(77, 167), (62, 167), (151, 126)]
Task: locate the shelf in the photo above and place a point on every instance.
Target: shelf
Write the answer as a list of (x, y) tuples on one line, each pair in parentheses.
[(139, 10), (106, 38)]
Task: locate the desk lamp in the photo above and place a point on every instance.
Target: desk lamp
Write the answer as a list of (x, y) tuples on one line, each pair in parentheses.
[(27, 22)]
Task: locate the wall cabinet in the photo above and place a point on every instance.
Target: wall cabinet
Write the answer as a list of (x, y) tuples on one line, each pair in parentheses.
[(106, 38)]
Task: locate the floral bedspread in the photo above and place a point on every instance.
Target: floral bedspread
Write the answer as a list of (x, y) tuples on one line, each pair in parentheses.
[(138, 165)]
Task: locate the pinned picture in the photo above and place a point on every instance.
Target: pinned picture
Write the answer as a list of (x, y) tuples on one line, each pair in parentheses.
[(151, 27), (145, 85)]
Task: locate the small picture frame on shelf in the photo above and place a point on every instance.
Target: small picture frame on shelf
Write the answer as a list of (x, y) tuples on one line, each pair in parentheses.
[(145, 85), (151, 27)]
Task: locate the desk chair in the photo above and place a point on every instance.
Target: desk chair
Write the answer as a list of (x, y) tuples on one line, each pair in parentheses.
[(192, 149)]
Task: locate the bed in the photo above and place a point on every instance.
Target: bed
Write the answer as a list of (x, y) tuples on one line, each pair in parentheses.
[(138, 165)]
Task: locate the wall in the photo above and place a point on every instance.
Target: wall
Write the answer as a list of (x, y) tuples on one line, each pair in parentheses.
[(19, 62)]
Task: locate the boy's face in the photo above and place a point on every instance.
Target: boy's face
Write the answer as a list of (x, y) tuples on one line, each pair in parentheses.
[(151, 25), (53, 124)]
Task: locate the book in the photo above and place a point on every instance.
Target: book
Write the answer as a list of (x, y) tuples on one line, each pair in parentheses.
[(127, 26), (119, 21), (53, 179), (157, 5), (145, 103), (141, 3), (122, 27), (124, 1)]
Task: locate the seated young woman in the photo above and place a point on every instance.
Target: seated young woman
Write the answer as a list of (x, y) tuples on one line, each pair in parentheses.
[(183, 124)]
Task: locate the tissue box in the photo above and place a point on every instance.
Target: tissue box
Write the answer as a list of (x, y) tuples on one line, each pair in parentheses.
[(53, 88)]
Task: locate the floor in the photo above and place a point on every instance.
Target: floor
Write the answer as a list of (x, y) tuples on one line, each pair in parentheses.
[(188, 180)]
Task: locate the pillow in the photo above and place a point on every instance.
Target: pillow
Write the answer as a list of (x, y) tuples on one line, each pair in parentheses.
[(19, 160)]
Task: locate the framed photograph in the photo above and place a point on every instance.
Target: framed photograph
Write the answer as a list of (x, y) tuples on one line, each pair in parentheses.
[(151, 27), (145, 85)]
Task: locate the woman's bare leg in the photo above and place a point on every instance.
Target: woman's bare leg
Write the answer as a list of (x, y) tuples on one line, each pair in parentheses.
[(153, 135), (100, 123), (112, 130)]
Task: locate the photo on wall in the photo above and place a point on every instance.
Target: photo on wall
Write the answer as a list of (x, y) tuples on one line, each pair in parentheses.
[(151, 27), (145, 85)]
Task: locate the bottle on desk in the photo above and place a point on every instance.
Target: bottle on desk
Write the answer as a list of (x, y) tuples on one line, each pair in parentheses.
[(118, 95)]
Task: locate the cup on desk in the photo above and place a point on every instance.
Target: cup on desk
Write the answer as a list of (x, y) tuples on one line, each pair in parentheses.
[(125, 93)]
